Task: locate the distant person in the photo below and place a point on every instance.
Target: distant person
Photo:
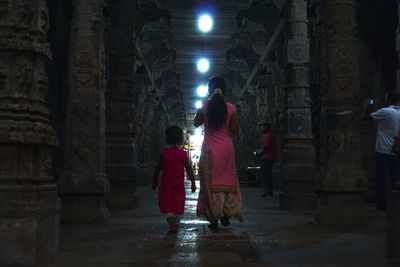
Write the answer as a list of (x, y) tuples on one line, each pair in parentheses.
[(172, 162), (219, 197), (388, 126), (268, 157)]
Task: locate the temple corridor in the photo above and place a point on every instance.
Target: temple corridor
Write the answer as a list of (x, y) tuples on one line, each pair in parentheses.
[(268, 237), (88, 89)]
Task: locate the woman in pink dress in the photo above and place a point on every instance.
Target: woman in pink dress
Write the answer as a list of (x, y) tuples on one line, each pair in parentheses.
[(173, 160), (219, 197)]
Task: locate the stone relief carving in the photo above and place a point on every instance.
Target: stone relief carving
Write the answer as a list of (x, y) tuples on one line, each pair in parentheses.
[(84, 63), (8, 161), (298, 51), (345, 59), (26, 13), (3, 78), (42, 85), (299, 123), (4, 10), (44, 18), (24, 130), (24, 75)]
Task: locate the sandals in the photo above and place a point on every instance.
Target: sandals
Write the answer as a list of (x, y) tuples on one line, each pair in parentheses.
[(225, 221), (213, 225)]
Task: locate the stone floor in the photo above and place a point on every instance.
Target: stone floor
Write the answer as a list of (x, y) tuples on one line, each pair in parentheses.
[(268, 237)]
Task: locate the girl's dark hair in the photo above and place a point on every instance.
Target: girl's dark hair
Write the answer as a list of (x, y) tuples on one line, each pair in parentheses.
[(216, 106), (174, 135)]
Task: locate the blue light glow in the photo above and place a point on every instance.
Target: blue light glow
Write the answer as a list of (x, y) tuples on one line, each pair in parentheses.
[(202, 90), (199, 104), (205, 23), (203, 65)]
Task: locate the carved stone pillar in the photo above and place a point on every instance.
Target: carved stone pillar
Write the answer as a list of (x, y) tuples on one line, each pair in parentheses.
[(297, 188), (28, 195), (343, 182), (83, 184), (393, 213), (121, 160), (398, 45), (393, 228)]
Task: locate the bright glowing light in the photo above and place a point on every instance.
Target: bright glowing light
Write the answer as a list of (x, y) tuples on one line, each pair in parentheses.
[(199, 104), (198, 132), (205, 23), (202, 90), (203, 65)]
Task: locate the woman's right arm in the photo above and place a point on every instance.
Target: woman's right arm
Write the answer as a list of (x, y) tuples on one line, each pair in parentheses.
[(199, 118), (234, 123)]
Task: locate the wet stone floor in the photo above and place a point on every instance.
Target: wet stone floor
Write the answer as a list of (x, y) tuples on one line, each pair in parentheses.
[(268, 237)]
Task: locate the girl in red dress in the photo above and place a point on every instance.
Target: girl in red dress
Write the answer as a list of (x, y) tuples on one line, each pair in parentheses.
[(173, 160)]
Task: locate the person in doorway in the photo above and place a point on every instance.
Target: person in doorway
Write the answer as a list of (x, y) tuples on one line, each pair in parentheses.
[(268, 157), (388, 126), (172, 162), (219, 196)]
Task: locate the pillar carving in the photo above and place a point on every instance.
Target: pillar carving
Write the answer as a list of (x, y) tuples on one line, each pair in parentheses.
[(83, 184), (342, 181), (28, 194), (298, 166), (121, 159)]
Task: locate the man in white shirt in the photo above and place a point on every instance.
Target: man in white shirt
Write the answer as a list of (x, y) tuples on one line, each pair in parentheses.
[(388, 120)]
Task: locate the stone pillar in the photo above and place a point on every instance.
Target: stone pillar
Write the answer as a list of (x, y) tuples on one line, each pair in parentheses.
[(121, 160), (398, 45), (83, 183), (393, 228), (343, 181), (393, 213), (298, 166), (28, 194)]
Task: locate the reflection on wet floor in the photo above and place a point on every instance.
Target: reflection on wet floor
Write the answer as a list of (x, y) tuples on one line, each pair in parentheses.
[(267, 237)]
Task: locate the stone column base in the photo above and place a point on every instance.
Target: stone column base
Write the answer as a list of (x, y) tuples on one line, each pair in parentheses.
[(298, 201), (393, 228), (342, 209), (28, 241), (29, 236), (79, 208), (122, 195)]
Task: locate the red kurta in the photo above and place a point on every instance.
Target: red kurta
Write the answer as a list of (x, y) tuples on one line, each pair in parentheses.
[(172, 188), (269, 146)]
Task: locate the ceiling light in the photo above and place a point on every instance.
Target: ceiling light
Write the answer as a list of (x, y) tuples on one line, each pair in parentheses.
[(199, 104), (203, 65), (202, 90), (205, 23)]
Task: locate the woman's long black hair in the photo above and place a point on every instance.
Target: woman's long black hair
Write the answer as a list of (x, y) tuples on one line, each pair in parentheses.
[(216, 107)]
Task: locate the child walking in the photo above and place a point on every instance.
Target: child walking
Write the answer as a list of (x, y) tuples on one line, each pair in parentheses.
[(173, 160)]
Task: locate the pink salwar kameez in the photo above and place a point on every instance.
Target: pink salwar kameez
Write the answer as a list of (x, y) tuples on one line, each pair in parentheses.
[(219, 194)]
